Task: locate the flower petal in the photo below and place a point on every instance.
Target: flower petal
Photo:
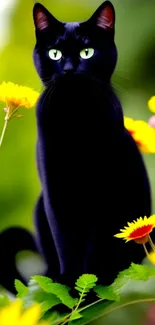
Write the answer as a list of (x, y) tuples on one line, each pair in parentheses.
[(137, 229), (11, 314), (143, 134), (31, 316), (151, 104)]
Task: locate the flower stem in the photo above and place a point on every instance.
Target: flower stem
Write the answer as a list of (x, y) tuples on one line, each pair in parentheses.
[(3, 131), (151, 243), (146, 251)]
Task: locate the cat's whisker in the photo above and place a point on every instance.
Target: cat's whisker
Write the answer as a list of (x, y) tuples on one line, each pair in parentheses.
[(48, 92), (114, 85), (119, 88), (109, 89), (51, 86), (122, 76), (121, 72), (46, 80)]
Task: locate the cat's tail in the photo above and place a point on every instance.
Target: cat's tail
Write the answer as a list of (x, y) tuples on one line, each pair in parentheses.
[(12, 241)]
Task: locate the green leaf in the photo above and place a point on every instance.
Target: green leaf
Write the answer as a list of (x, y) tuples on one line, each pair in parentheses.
[(22, 290), (86, 282), (99, 312), (37, 294), (43, 281), (92, 313), (4, 300), (53, 316), (75, 315), (61, 291), (106, 292), (79, 289), (33, 289), (47, 300), (134, 272), (83, 285)]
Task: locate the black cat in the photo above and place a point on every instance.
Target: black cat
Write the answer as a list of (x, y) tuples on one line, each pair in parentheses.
[(92, 175)]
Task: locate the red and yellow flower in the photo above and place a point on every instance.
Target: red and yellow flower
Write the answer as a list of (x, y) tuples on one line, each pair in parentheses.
[(139, 231)]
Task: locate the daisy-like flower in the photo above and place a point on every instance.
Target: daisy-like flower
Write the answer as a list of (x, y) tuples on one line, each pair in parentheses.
[(15, 96), (139, 231), (151, 104), (143, 134), (12, 314)]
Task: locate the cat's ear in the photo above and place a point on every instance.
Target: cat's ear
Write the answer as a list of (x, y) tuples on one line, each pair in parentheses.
[(42, 17), (104, 16)]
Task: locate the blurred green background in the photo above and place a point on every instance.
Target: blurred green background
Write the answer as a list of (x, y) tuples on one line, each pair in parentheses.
[(134, 81)]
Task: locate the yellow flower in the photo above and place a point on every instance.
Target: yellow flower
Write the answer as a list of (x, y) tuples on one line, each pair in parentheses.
[(142, 133), (13, 315), (139, 231), (151, 104), (15, 96)]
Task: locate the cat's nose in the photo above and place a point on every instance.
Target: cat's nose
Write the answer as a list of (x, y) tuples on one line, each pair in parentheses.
[(68, 68)]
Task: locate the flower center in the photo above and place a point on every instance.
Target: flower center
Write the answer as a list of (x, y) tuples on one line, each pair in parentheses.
[(141, 233), (142, 240)]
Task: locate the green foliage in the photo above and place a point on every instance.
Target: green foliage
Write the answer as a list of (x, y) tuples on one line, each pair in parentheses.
[(4, 300), (61, 291), (54, 317), (43, 281), (50, 294), (134, 272), (85, 283), (46, 300), (107, 292), (22, 290), (75, 315), (35, 293)]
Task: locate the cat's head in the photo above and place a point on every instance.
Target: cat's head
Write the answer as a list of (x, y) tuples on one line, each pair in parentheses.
[(85, 48)]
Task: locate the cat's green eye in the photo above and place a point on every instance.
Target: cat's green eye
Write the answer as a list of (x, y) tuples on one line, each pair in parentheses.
[(87, 53), (55, 54)]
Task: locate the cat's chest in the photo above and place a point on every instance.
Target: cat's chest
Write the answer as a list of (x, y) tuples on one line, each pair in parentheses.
[(80, 151), (83, 178), (83, 175), (81, 159), (79, 138)]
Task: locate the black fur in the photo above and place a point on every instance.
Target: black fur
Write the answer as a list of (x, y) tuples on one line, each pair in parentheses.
[(92, 175)]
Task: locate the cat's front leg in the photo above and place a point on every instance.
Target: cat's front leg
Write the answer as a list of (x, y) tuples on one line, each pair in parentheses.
[(48, 249), (44, 240)]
